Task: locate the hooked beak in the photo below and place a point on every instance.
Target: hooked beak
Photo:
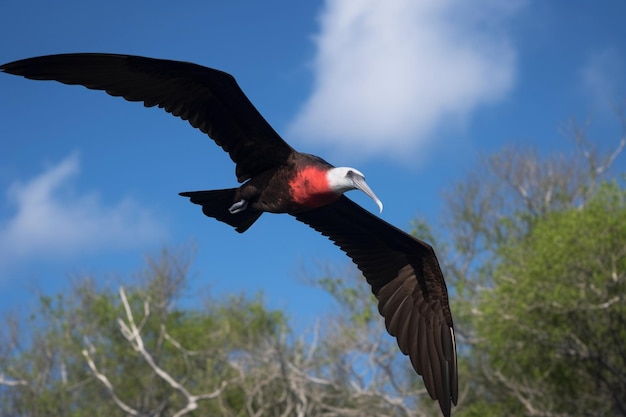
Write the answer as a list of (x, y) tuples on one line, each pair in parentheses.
[(359, 183)]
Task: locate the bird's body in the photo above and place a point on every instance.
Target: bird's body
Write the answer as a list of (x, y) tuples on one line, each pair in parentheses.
[(403, 271), (300, 184)]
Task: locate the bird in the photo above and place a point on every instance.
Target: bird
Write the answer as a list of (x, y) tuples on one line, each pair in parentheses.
[(403, 271)]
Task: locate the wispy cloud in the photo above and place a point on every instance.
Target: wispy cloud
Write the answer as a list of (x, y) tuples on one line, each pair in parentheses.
[(52, 221), (603, 77), (388, 74)]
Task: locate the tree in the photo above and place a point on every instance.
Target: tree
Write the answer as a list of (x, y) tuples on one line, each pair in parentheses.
[(513, 254), (102, 352), (98, 352), (554, 325)]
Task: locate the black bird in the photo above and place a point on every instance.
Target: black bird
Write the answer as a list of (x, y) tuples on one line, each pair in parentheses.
[(403, 271)]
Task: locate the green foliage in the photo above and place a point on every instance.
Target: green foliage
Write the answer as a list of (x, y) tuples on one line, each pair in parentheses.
[(555, 318), (99, 352), (192, 345)]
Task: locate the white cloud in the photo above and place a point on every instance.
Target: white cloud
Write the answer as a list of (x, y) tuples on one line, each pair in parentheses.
[(50, 221), (388, 74)]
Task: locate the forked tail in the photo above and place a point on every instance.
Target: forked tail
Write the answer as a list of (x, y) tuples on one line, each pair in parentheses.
[(215, 203)]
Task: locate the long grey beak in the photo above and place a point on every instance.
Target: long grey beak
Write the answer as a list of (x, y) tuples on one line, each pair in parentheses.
[(359, 182)]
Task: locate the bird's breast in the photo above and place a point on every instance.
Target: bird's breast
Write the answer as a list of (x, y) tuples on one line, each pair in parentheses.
[(309, 188)]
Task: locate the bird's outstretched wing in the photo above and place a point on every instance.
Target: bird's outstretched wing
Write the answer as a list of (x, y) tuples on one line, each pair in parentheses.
[(209, 99), (407, 281)]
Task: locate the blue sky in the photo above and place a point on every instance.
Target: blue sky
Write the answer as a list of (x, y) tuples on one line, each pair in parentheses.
[(409, 92)]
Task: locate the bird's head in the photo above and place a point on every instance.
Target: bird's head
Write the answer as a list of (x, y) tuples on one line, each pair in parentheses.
[(344, 179)]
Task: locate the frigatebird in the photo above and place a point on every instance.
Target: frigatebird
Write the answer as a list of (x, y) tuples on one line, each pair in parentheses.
[(403, 271)]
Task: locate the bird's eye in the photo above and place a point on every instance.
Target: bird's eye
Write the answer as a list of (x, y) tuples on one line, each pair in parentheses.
[(350, 173)]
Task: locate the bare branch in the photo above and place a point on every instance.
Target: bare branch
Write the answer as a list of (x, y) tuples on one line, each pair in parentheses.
[(105, 381), (132, 333), (12, 382)]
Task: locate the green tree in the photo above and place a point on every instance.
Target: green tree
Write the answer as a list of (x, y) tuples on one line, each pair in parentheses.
[(100, 352), (512, 252), (553, 329), (134, 351)]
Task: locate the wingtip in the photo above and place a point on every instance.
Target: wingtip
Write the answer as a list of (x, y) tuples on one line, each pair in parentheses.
[(5, 67)]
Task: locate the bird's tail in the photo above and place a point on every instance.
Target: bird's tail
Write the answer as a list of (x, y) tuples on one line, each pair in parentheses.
[(215, 203)]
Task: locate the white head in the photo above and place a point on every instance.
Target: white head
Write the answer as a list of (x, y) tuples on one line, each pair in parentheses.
[(344, 179)]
